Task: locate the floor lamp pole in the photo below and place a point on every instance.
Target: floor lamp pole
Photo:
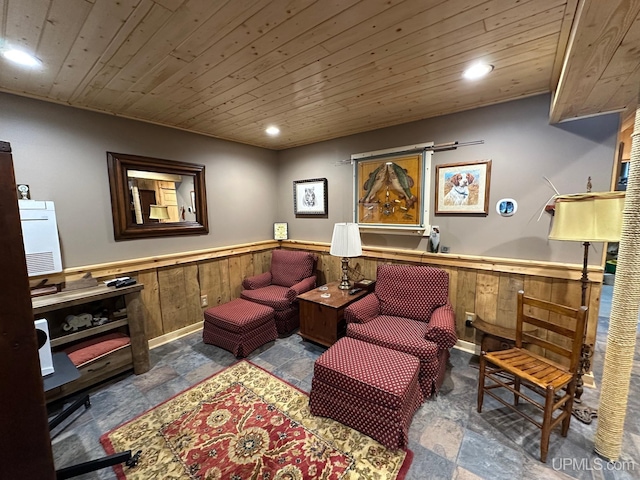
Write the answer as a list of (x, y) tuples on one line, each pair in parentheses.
[(587, 352)]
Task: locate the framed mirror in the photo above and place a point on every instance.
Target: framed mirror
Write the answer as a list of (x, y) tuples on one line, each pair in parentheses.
[(152, 197)]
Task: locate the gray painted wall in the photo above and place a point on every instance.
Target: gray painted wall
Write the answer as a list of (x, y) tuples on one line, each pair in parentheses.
[(61, 153), (523, 148)]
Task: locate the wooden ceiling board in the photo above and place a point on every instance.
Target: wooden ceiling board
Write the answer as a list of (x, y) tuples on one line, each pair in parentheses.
[(319, 69)]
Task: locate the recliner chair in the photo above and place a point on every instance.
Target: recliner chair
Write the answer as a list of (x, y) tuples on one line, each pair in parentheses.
[(291, 273)]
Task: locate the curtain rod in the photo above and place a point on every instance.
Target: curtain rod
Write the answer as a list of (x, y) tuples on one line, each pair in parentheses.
[(441, 147)]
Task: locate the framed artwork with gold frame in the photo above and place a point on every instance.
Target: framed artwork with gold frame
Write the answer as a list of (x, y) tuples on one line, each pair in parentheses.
[(390, 190), (463, 188)]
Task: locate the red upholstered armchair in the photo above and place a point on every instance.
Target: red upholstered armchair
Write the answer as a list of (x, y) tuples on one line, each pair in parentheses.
[(292, 273), (409, 311)]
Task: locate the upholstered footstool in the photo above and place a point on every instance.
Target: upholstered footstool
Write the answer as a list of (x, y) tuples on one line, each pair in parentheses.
[(370, 388), (239, 326)]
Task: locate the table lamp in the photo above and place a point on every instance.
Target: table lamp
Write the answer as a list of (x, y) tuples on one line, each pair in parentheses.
[(345, 243)]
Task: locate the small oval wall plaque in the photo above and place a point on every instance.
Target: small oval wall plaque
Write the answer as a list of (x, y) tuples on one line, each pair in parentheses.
[(506, 207)]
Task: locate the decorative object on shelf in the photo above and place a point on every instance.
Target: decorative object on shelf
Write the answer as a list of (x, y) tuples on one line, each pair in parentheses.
[(136, 183), (75, 322), (434, 240), (365, 284), (463, 188), (345, 243), (310, 197), (587, 218), (390, 190), (506, 207), (24, 192), (280, 231)]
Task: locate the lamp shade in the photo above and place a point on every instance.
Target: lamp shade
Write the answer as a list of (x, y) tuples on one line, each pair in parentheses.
[(158, 212), (588, 217), (346, 240)]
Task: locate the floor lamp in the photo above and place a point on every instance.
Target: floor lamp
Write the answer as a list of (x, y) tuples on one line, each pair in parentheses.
[(345, 243), (587, 218)]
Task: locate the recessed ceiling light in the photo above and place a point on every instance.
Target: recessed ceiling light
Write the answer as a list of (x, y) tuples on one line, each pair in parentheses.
[(477, 70), (21, 57), (273, 131)]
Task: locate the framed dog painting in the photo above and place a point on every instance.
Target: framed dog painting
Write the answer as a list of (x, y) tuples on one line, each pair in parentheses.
[(463, 188)]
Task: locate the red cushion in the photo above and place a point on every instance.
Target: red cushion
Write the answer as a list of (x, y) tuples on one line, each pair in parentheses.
[(289, 267), (411, 291), (84, 352), (373, 373), (238, 315)]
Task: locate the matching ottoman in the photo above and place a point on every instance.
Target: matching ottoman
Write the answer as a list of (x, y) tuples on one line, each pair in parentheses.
[(370, 388), (239, 326)]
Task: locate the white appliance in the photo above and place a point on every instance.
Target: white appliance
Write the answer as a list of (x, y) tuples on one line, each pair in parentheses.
[(40, 236), (44, 349)]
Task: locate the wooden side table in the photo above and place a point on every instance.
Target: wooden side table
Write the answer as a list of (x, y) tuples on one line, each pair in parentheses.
[(322, 318)]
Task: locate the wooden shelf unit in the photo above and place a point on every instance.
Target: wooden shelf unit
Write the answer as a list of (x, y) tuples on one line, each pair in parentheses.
[(135, 355)]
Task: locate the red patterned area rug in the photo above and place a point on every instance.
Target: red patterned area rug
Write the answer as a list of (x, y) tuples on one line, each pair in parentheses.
[(243, 423)]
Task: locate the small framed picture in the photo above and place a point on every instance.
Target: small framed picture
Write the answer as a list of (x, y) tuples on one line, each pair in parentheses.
[(280, 231), (310, 197), (463, 188)]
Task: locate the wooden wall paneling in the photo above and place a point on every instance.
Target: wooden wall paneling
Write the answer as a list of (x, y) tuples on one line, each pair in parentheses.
[(173, 297), (508, 287), (594, 292), (240, 267), (150, 297), (261, 262), (465, 302), (214, 280), (192, 293), (487, 296)]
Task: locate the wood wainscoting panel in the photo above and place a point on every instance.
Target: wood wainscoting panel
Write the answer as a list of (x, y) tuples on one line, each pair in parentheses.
[(179, 301), (150, 297), (484, 286), (508, 288), (213, 276), (466, 302)]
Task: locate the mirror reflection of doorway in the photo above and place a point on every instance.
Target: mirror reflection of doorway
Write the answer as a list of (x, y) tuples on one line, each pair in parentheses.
[(147, 198)]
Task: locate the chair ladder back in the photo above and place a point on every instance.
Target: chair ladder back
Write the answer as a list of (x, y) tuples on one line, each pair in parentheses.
[(575, 334)]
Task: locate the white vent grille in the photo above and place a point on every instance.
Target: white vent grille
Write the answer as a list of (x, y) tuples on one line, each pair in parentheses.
[(40, 262)]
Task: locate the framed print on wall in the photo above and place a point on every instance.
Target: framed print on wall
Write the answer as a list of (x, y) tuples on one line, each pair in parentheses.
[(463, 188), (390, 191), (310, 197)]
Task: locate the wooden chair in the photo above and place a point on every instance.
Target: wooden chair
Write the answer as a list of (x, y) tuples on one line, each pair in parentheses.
[(559, 331)]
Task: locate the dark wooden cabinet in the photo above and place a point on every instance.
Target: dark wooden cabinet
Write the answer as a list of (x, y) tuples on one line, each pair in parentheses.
[(322, 318), (136, 355)]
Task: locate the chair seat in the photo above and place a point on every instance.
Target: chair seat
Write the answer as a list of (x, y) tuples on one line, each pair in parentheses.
[(397, 333), (531, 367), (273, 296)]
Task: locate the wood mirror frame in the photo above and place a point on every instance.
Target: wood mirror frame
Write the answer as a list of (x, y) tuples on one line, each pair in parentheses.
[(122, 205)]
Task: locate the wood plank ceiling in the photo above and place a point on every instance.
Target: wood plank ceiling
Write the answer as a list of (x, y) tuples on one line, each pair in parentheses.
[(318, 69)]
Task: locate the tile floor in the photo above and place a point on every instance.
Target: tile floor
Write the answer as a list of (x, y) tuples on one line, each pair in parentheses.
[(450, 440)]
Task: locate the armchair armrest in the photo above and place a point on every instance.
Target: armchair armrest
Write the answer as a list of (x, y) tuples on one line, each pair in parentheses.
[(257, 281), (442, 327), (302, 286), (365, 309)]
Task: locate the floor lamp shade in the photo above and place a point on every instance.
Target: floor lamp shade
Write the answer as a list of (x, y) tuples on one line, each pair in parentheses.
[(346, 243), (588, 217)]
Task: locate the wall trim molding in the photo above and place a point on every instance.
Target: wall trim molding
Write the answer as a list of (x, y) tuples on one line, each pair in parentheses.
[(568, 271), (175, 335)]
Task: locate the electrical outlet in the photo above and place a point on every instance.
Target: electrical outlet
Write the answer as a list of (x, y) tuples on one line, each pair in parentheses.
[(469, 318), (204, 300)]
